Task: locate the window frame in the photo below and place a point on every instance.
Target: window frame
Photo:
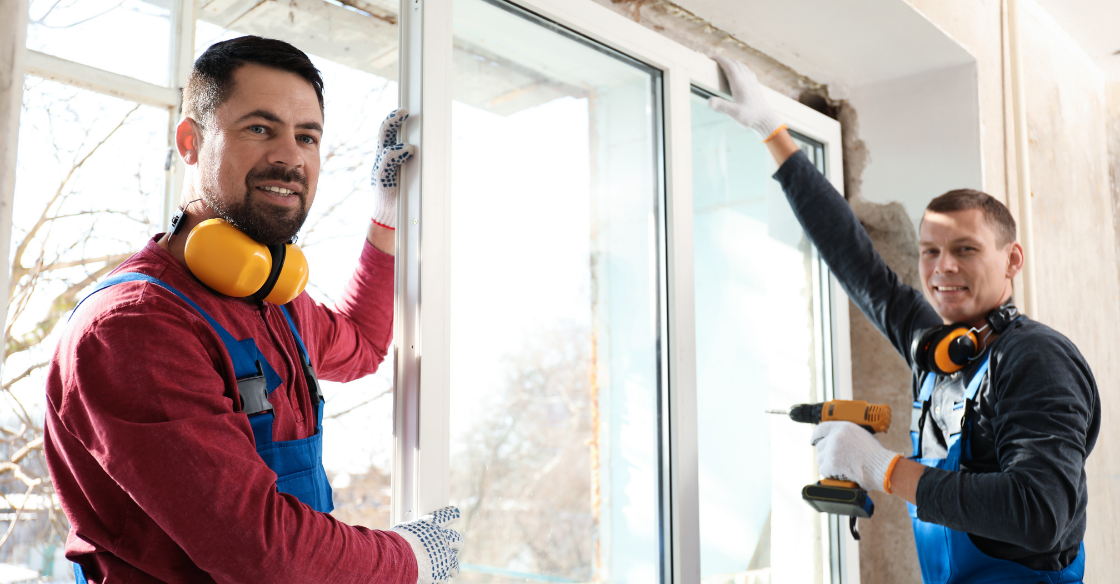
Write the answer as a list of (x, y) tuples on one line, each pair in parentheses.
[(421, 472), (180, 61)]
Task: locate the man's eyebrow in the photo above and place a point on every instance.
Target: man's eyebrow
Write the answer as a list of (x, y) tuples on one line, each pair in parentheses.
[(271, 117), (957, 241), (267, 115)]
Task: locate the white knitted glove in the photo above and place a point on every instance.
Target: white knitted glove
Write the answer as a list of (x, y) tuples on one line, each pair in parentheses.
[(390, 155), (436, 547), (750, 107), (847, 452)]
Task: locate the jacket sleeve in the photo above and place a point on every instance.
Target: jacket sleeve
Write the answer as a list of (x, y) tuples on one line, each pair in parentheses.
[(895, 308), (1045, 421), (351, 339), (143, 395)]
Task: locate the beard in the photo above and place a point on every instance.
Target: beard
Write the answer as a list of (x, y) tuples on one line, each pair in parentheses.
[(263, 222)]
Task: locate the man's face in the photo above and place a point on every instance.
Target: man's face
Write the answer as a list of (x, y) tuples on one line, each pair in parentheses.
[(965, 271), (258, 164)]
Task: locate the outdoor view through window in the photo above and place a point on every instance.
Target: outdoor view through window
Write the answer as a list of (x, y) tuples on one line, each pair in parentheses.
[(555, 309)]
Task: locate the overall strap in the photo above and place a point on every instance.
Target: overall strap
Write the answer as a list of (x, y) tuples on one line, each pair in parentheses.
[(308, 371), (969, 398), (974, 384), (299, 340), (917, 415), (255, 377)]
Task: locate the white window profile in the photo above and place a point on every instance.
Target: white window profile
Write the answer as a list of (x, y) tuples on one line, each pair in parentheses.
[(422, 470)]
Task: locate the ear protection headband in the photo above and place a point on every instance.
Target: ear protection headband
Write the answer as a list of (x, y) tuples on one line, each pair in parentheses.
[(948, 348), (232, 263)]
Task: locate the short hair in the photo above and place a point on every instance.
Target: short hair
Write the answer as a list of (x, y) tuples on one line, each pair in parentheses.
[(995, 213), (211, 80)]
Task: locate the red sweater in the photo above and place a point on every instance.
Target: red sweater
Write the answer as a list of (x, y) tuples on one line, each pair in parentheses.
[(152, 459)]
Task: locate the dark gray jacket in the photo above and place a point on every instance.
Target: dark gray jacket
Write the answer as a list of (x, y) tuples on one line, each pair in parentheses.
[(1022, 495)]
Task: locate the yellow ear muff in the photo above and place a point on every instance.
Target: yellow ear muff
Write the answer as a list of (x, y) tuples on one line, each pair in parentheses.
[(226, 259), (292, 279), (232, 263)]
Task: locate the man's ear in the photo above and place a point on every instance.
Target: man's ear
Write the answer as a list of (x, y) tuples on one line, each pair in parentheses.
[(188, 138), (1015, 259)]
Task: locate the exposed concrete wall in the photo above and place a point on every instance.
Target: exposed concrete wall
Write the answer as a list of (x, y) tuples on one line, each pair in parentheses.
[(682, 26)]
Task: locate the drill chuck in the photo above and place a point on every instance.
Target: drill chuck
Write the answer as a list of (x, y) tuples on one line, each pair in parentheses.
[(806, 413)]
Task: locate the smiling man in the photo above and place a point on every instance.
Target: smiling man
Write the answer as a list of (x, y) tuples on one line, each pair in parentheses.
[(184, 423), (1004, 418)]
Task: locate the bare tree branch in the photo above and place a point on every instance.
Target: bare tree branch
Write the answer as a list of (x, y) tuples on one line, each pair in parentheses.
[(36, 444), (26, 372), (15, 520), (17, 258), (350, 409), (61, 304)]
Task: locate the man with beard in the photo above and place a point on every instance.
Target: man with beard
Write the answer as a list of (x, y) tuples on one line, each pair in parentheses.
[(183, 429)]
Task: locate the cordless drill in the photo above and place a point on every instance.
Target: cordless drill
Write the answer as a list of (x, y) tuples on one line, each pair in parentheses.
[(832, 495)]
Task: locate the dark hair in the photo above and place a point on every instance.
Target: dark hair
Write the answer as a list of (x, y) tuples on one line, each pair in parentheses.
[(995, 212), (211, 80)]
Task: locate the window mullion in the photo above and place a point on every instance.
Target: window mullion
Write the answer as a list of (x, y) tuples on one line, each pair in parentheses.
[(183, 20), (421, 469), (683, 496), (13, 50)]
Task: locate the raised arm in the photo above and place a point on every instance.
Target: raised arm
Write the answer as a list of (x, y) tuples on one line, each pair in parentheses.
[(895, 308)]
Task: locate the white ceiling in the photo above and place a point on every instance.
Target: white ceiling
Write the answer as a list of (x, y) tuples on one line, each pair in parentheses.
[(853, 42), (1094, 24), (843, 43)]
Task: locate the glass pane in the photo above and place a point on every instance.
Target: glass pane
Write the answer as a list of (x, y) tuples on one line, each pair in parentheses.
[(89, 192), (130, 37), (756, 348), (358, 93), (555, 309)]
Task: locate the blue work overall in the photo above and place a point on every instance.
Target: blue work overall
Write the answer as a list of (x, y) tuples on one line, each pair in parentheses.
[(298, 464), (948, 556)]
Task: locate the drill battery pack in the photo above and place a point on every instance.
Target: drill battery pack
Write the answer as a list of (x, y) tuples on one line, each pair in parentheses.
[(838, 497)]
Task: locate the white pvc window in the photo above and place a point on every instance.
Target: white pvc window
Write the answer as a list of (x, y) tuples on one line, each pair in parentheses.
[(500, 208)]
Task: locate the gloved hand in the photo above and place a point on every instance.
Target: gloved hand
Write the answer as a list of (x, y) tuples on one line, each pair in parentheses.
[(750, 107), (390, 155), (436, 547), (847, 452)]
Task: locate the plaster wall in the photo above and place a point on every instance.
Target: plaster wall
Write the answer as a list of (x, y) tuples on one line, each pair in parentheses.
[(923, 135)]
